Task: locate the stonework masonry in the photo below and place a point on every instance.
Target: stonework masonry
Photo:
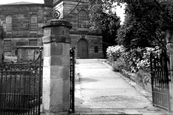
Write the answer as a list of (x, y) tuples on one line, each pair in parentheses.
[(72, 10), (169, 46), (23, 23), (56, 87), (19, 31)]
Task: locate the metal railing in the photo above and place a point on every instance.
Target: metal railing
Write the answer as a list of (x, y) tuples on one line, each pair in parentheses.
[(72, 80), (160, 80), (21, 87)]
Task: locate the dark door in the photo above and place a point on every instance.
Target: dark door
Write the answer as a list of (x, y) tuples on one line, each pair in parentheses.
[(82, 49)]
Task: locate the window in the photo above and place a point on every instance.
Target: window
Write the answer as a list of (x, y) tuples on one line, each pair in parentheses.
[(33, 42), (83, 19), (34, 23), (96, 49), (21, 43), (7, 45), (8, 22)]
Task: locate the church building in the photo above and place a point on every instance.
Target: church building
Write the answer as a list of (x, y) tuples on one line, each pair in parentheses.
[(23, 22)]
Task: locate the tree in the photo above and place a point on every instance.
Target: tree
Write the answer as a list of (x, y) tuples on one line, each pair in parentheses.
[(141, 27), (145, 21), (152, 16), (109, 24)]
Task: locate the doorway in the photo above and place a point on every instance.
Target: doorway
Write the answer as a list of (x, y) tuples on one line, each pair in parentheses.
[(82, 47)]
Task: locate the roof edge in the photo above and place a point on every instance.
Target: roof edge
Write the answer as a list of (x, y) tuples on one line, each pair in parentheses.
[(21, 3)]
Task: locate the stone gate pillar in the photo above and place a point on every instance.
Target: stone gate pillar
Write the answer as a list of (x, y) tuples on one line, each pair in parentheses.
[(169, 40), (56, 87)]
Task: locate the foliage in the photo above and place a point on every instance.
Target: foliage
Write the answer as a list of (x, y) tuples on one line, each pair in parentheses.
[(119, 65), (108, 24), (132, 34), (101, 19), (145, 21), (115, 51), (139, 58), (134, 59), (143, 25)]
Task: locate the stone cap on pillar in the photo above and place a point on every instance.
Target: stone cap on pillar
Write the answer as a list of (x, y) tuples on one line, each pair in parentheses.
[(56, 23)]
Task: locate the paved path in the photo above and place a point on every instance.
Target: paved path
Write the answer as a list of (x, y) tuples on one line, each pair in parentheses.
[(102, 91)]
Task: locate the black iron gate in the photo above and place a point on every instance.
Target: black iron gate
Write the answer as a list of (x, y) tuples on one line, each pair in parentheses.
[(160, 80), (72, 80), (21, 86)]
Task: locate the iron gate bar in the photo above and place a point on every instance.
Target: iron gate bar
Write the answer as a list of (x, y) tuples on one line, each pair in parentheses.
[(21, 87), (160, 80), (72, 80), (40, 78)]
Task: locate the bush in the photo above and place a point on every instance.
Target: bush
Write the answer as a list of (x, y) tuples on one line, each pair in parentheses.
[(114, 52), (131, 60), (136, 61), (119, 65)]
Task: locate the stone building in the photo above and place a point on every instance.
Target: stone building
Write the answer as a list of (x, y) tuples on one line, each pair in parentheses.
[(23, 23)]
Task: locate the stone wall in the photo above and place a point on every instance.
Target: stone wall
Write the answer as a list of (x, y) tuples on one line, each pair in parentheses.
[(69, 10), (15, 42), (21, 32), (21, 19), (92, 42)]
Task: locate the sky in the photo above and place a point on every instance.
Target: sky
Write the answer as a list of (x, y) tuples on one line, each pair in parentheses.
[(12, 1), (121, 13)]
